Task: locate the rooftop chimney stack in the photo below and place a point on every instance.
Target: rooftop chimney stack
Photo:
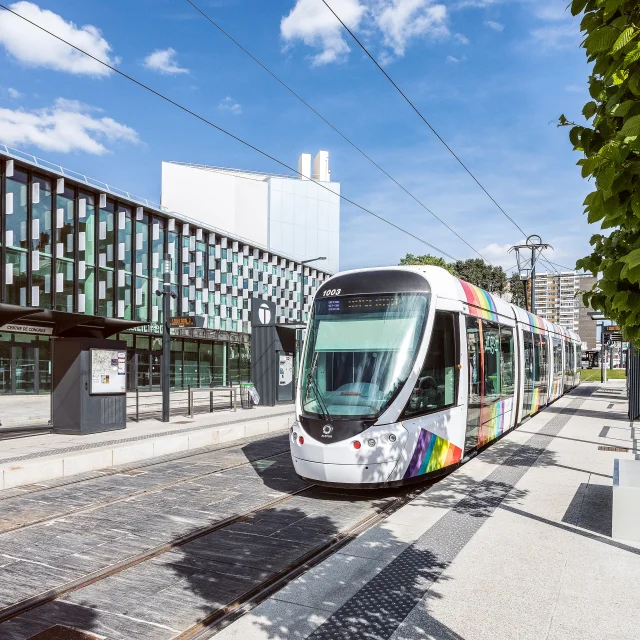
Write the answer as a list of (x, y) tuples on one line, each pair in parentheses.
[(304, 166), (321, 167)]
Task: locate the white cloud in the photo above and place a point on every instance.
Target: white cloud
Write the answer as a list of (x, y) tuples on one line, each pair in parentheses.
[(496, 26), (460, 38), (229, 104), (34, 48), (455, 60), (402, 20), (14, 94), (395, 22), (555, 37), (164, 61), (311, 22), (66, 126)]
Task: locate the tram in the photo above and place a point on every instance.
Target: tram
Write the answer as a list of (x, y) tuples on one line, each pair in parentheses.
[(408, 371)]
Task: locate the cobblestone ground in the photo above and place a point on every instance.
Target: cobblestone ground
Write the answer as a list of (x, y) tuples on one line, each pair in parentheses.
[(52, 535)]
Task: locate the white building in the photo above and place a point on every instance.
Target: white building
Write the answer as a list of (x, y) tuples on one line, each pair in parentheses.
[(555, 298), (291, 215)]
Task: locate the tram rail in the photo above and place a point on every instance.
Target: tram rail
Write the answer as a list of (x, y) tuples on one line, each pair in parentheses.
[(218, 618), (135, 494)]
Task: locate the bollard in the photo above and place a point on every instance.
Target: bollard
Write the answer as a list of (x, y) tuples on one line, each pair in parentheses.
[(189, 402), (210, 401), (137, 406)]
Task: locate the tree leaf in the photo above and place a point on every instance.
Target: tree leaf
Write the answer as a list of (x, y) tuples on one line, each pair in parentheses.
[(632, 259), (589, 109), (624, 39), (601, 40), (632, 56), (631, 127)]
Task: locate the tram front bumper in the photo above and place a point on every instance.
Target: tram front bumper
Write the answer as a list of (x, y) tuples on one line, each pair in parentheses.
[(344, 473)]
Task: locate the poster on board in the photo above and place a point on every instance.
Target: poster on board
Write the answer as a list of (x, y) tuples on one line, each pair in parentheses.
[(108, 371)]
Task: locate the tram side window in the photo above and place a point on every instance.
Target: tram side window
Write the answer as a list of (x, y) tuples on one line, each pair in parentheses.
[(437, 383), (506, 360), (557, 357), (491, 343), (542, 358)]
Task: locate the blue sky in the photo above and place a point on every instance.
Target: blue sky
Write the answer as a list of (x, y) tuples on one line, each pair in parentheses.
[(492, 76)]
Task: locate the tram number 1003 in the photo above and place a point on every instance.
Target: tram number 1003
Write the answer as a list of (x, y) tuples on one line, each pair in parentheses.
[(331, 292)]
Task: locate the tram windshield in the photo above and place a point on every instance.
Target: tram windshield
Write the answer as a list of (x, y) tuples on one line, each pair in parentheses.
[(360, 350)]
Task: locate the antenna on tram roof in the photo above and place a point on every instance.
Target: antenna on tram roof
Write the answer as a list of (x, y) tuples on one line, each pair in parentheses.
[(527, 255)]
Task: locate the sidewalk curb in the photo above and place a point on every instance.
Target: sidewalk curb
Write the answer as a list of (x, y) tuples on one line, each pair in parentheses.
[(40, 469)]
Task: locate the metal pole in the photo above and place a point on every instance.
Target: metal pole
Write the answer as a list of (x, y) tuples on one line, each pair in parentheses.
[(166, 339), (533, 281), (603, 357)]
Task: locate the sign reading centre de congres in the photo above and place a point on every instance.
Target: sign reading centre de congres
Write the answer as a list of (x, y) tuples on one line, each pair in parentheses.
[(27, 328)]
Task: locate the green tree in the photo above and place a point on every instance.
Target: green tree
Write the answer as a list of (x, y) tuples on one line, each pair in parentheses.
[(611, 148), (427, 259), (483, 275), (518, 290)]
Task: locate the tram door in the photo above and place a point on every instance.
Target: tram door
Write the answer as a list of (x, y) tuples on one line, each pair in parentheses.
[(527, 398), (476, 376)]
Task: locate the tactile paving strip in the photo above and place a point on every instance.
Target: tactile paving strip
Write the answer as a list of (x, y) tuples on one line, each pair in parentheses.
[(379, 608)]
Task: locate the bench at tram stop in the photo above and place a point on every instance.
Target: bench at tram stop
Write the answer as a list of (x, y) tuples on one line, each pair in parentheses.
[(625, 523)]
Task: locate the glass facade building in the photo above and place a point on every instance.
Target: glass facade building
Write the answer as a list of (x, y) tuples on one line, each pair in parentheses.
[(75, 246)]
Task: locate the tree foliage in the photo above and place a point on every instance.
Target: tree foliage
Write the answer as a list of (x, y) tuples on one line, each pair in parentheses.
[(518, 289), (427, 260), (611, 148), (473, 270), (483, 275)]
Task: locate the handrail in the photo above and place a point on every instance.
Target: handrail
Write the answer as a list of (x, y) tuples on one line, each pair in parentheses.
[(233, 397)]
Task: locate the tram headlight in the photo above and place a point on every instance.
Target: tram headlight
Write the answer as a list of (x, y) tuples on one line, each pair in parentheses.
[(371, 442), (392, 437), (295, 436)]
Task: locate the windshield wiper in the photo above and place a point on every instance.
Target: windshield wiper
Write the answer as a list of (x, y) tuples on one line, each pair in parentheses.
[(311, 380)]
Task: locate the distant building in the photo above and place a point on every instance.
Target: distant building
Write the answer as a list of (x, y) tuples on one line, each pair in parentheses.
[(555, 298), (77, 255), (587, 326), (288, 215)]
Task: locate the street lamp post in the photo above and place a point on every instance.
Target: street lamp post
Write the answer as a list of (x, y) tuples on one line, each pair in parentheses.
[(166, 294)]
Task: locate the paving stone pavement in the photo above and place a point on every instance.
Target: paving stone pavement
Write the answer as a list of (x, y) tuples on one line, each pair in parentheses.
[(515, 544), (102, 520)]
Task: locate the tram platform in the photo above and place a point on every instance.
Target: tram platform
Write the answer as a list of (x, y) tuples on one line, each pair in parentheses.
[(514, 544), (48, 457)]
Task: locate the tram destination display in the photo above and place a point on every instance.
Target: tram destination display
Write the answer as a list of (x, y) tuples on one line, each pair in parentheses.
[(108, 371)]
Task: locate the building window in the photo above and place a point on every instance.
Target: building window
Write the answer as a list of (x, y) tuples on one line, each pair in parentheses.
[(16, 238), (65, 250), (86, 253)]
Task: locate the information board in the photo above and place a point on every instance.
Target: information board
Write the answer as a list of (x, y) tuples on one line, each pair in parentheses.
[(108, 371)]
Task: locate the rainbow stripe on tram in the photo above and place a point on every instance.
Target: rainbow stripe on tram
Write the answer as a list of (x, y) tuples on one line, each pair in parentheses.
[(431, 454), (481, 302), (536, 400), (493, 420), (535, 322)]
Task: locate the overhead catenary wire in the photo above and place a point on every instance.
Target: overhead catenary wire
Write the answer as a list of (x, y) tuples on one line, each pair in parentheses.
[(421, 116), (227, 133), (335, 129)]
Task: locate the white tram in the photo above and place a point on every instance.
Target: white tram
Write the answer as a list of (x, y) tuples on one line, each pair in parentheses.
[(408, 371)]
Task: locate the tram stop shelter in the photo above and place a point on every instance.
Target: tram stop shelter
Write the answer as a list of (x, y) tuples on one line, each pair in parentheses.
[(81, 403), (273, 354)]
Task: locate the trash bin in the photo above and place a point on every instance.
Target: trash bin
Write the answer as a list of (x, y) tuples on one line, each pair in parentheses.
[(246, 398)]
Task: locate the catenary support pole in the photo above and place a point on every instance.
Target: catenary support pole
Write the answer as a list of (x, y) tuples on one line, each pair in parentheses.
[(166, 339)]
